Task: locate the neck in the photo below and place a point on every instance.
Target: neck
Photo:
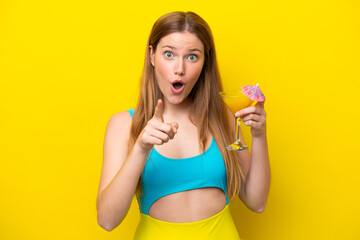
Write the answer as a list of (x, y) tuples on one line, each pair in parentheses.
[(177, 111)]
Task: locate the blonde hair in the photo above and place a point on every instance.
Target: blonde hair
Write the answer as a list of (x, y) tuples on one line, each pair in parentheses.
[(209, 111)]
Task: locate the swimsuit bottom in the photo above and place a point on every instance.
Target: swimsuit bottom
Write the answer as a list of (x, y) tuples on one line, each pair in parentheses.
[(219, 226)]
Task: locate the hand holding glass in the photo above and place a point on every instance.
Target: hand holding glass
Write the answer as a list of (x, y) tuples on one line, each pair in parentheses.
[(236, 100)]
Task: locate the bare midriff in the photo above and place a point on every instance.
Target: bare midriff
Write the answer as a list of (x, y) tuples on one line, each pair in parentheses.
[(189, 206)]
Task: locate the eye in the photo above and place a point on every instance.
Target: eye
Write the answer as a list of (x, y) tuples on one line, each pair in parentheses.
[(192, 57), (169, 54)]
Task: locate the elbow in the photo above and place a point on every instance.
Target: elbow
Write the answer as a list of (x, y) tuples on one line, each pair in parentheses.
[(259, 210), (104, 224), (108, 222), (256, 207), (103, 218), (107, 228), (105, 221)]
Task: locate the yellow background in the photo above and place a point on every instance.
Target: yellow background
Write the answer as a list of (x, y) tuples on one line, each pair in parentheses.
[(67, 66)]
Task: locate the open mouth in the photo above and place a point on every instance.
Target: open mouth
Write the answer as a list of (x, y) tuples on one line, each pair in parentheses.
[(177, 85)]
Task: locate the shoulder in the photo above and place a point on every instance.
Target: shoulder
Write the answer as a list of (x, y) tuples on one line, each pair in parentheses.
[(121, 117), (119, 120), (117, 134)]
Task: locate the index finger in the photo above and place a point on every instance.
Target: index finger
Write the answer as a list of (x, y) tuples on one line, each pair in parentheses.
[(260, 104), (248, 110), (158, 113)]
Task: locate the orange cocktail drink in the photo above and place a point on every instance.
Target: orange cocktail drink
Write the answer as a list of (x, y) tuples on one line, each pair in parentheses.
[(236, 100)]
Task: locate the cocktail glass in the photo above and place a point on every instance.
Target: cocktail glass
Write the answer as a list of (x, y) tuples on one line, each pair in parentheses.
[(236, 100)]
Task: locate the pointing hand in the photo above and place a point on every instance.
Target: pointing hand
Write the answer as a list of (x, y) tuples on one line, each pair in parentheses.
[(156, 132)]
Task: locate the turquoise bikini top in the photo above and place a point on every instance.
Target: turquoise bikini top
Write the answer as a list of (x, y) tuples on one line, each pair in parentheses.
[(162, 176)]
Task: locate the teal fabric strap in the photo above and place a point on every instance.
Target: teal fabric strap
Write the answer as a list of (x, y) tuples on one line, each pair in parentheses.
[(131, 111)]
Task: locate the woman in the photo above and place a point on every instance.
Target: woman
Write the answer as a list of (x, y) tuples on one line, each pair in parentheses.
[(170, 150)]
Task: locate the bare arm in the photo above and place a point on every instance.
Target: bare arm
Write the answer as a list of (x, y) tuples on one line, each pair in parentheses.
[(120, 172), (122, 167), (258, 179), (255, 190)]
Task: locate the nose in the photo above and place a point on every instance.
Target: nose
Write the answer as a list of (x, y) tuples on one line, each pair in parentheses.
[(179, 67)]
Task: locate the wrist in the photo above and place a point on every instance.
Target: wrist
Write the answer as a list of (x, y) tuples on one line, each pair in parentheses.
[(260, 137), (140, 149)]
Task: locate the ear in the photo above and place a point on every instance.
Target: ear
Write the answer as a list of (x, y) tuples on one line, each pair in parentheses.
[(152, 55)]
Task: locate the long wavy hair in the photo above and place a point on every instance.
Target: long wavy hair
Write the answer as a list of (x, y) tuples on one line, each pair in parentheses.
[(208, 112)]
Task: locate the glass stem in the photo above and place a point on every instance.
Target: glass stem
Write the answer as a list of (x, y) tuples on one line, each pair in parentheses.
[(237, 127)]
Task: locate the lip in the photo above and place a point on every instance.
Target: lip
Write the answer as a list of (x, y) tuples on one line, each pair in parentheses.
[(178, 81), (177, 91)]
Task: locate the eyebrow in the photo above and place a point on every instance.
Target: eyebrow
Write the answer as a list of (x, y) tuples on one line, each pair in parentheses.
[(190, 50)]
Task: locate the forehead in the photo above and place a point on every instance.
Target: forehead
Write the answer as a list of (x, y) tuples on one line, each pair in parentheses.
[(181, 40)]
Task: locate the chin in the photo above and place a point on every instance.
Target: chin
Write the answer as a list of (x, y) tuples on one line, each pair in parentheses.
[(175, 99)]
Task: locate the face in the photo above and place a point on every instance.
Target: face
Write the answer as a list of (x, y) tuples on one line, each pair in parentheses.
[(177, 61)]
